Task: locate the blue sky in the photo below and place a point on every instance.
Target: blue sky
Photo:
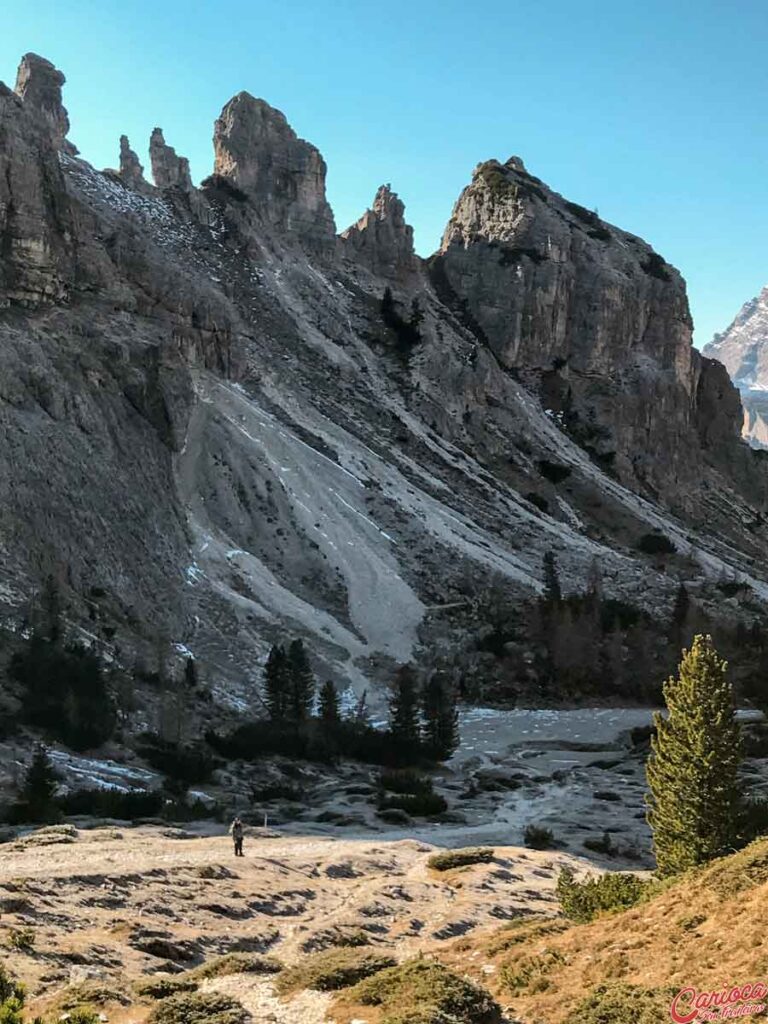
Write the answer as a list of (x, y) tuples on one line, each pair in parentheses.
[(651, 111)]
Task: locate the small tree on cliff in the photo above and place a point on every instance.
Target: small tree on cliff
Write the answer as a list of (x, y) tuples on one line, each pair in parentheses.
[(694, 802)]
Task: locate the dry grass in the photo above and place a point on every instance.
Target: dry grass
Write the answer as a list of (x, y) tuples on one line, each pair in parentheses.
[(702, 929)]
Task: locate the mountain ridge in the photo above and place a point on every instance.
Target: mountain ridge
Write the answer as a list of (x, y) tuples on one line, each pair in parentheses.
[(212, 424)]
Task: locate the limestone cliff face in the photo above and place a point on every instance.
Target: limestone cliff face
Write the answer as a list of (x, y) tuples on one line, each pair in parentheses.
[(284, 176), (168, 169), (592, 312), (208, 418), (382, 240), (39, 84), (35, 216)]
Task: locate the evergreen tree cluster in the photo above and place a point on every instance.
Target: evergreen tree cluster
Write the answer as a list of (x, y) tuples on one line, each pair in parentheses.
[(423, 717), (64, 683), (302, 723)]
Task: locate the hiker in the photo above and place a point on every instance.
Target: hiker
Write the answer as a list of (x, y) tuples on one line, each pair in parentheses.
[(237, 836)]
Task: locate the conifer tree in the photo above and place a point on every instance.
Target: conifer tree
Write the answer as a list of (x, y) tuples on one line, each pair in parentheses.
[(190, 674), (39, 788), (362, 715), (552, 592), (404, 717), (302, 682), (330, 710), (441, 717), (694, 804), (277, 684)]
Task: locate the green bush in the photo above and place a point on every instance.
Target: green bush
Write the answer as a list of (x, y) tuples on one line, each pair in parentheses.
[(538, 838), (424, 990), (332, 969), (420, 805), (236, 963), (602, 845), (655, 544), (198, 1008), (460, 858), (21, 939), (405, 780), (618, 1003), (160, 986), (583, 901), (11, 999)]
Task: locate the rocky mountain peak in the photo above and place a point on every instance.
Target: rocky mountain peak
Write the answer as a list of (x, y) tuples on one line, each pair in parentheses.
[(39, 84), (743, 349), (168, 169), (283, 176), (131, 171), (381, 239)]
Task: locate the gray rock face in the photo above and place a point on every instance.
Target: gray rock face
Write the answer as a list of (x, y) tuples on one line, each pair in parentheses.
[(131, 170), (382, 240), (39, 84), (743, 349), (36, 265), (168, 169), (593, 313), (204, 419), (284, 176)]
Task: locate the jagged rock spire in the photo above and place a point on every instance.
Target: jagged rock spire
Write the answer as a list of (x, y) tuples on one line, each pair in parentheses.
[(131, 170), (168, 169), (283, 176), (39, 84), (381, 238)]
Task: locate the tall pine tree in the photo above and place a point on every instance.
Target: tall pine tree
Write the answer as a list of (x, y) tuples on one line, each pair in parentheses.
[(277, 684), (302, 682), (441, 717), (330, 709), (39, 788), (404, 712), (694, 802)]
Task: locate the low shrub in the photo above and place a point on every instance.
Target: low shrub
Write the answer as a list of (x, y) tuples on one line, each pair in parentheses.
[(109, 803), (420, 805), (198, 1008), (583, 901), (602, 845), (21, 939), (405, 780), (555, 472), (160, 986), (86, 994), (332, 969), (424, 990), (538, 838), (236, 963), (192, 763), (620, 1003), (655, 544), (460, 858)]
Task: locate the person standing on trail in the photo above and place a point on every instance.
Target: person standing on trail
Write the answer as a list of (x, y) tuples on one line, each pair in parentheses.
[(237, 836)]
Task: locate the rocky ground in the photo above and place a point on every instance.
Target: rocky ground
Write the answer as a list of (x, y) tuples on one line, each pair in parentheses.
[(115, 904)]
